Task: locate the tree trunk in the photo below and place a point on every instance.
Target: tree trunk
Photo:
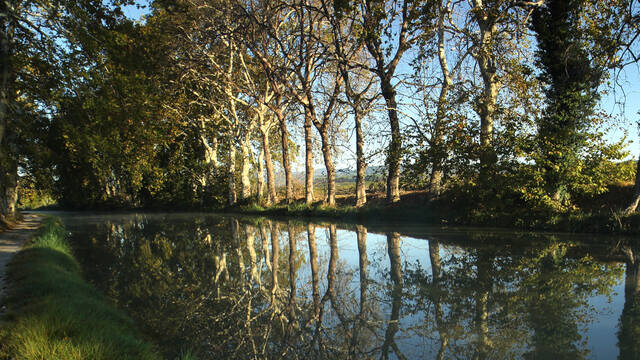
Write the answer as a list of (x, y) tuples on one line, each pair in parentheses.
[(210, 160), (487, 107), (6, 76), (636, 193), (395, 146), (487, 113), (328, 163), (9, 188), (246, 167), (361, 164), (8, 176), (210, 150), (437, 143), (271, 182), (231, 174), (261, 184), (286, 160), (308, 184)]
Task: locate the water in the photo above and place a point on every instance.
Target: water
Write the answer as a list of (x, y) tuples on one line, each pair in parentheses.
[(244, 287)]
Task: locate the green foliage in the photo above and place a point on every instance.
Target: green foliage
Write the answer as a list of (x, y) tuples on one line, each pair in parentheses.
[(65, 317), (565, 130), (30, 197)]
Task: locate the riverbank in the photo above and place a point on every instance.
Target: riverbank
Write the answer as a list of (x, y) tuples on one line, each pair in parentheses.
[(596, 216), (52, 313)]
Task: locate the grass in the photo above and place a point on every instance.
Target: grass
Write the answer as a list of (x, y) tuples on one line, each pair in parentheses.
[(52, 313)]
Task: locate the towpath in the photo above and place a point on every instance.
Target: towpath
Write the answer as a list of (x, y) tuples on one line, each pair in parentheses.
[(11, 242)]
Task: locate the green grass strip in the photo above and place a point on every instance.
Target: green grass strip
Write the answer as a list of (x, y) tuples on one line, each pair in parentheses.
[(54, 314)]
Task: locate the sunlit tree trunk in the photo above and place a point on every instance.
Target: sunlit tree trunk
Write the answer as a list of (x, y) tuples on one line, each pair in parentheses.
[(246, 165), (487, 64), (308, 148), (348, 51), (328, 163), (395, 146), (231, 173), (636, 193), (361, 164), (210, 149), (9, 188), (386, 57), (210, 156), (437, 143), (286, 160), (260, 179), (271, 182)]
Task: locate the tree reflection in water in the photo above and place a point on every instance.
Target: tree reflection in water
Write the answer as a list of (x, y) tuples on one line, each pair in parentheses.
[(228, 287), (629, 329)]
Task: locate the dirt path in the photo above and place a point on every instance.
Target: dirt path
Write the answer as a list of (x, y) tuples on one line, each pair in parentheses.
[(11, 242)]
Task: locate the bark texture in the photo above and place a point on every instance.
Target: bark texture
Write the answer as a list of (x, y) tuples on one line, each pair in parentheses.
[(487, 63), (308, 148), (437, 142), (636, 193), (361, 164), (246, 166), (231, 175), (286, 159)]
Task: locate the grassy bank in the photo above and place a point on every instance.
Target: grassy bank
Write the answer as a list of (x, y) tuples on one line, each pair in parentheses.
[(52, 313), (413, 208)]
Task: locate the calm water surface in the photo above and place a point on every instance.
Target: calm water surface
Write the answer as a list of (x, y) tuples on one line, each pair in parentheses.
[(245, 287)]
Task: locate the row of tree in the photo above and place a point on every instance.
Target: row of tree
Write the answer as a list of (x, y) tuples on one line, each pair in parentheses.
[(204, 101)]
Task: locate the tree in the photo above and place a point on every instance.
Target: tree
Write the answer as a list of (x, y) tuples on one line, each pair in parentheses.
[(393, 22), (348, 50), (572, 79)]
